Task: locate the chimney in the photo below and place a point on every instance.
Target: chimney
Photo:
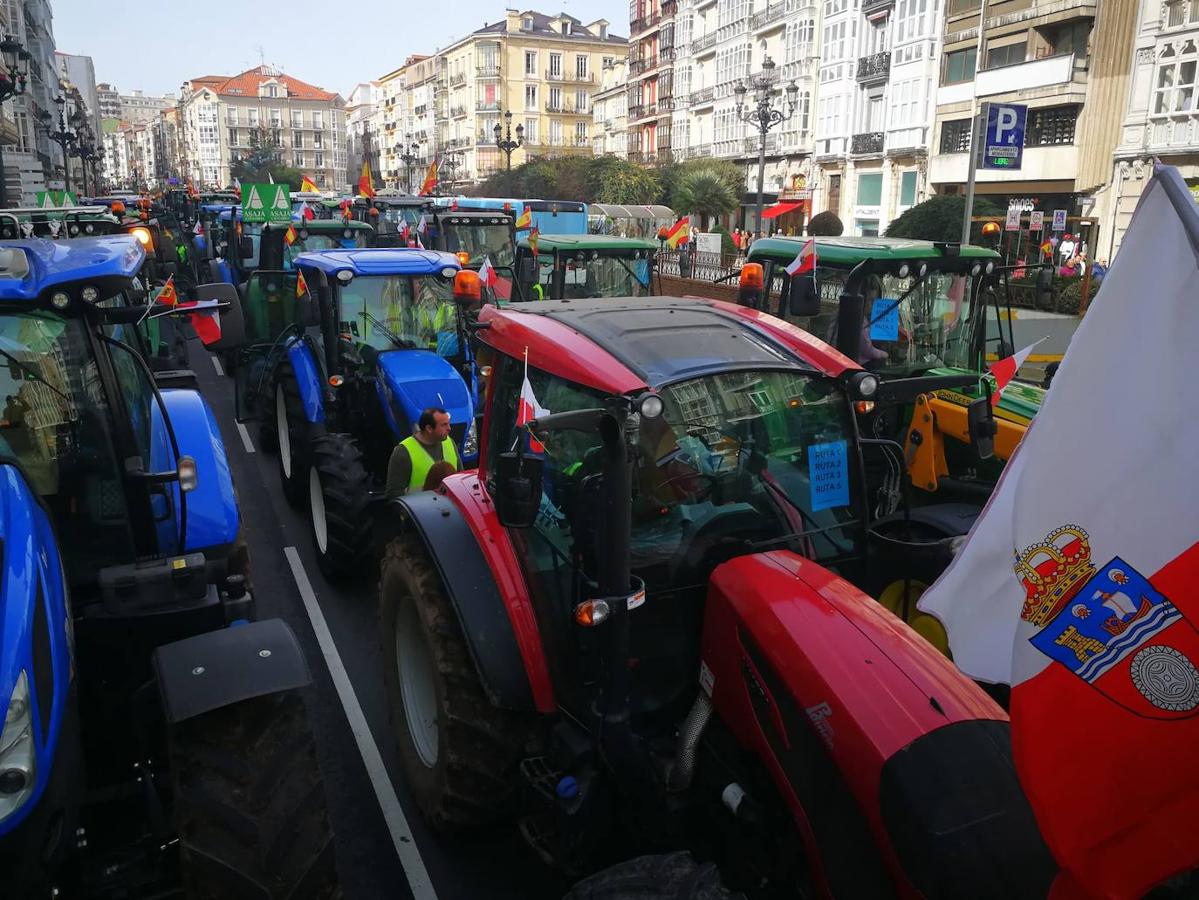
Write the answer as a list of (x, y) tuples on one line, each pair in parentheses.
[(512, 20)]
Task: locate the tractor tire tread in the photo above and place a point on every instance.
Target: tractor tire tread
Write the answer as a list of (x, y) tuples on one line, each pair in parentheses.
[(671, 876), (295, 488), (346, 486)]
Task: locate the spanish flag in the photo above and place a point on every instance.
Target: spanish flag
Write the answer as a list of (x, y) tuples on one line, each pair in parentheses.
[(679, 234), (533, 236), (290, 235), (366, 187), (308, 185), (525, 220), (430, 183), (301, 284), (168, 296)]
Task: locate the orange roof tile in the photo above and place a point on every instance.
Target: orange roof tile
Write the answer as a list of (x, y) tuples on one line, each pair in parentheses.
[(246, 85)]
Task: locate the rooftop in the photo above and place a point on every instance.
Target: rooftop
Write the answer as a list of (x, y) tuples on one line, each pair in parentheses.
[(379, 262), (247, 83)]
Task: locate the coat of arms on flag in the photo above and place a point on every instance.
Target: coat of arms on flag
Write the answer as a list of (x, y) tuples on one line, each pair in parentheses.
[(1109, 626)]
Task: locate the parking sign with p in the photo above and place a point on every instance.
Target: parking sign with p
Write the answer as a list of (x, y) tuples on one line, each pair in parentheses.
[(1002, 146)]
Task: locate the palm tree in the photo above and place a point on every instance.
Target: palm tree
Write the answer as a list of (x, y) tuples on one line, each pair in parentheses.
[(706, 194)]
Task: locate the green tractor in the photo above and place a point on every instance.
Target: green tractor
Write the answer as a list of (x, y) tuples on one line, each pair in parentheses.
[(567, 266)]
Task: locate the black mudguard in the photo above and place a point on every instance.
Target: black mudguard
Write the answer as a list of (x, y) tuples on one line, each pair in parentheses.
[(219, 668), (474, 594)]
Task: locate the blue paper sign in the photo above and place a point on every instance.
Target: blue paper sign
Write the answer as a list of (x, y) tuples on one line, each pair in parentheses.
[(884, 319), (828, 473)]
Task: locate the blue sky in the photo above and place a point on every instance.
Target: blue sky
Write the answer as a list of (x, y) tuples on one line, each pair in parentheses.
[(156, 45)]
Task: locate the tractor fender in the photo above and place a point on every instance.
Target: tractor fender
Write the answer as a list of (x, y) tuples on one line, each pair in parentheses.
[(308, 380), (478, 568), (213, 518), (828, 689), (35, 628), (411, 381), (219, 668)]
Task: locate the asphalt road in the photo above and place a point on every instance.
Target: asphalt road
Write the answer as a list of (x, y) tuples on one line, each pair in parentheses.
[(384, 849)]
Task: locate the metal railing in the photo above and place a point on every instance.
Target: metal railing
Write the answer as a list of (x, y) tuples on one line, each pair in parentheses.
[(460, 78), (487, 105), (768, 16), (877, 65), (487, 71), (699, 266), (867, 143), (703, 42), (772, 144), (703, 95)]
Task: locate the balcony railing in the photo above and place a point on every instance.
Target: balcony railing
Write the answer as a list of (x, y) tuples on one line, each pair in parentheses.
[(570, 76), (875, 66), (869, 6), (566, 108), (640, 156), (703, 95), (457, 143), (459, 78), (458, 112), (772, 144), (636, 66), (669, 8), (769, 16), (488, 71), (483, 139), (667, 54), (487, 105), (703, 42), (866, 144), (636, 111)]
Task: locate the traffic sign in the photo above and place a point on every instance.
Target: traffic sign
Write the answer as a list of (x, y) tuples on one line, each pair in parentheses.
[(1059, 220), (1013, 219), (1036, 221), (266, 203), (1003, 135)]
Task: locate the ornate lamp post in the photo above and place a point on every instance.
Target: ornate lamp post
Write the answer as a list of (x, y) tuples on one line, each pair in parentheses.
[(503, 139), (763, 115), (12, 82), (448, 170), (409, 156), (65, 139)]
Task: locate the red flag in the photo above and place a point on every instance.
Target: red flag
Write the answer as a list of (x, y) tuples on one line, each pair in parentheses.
[(405, 232), (206, 320), (487, 273), (307, 213), (1005, 369), (805, 260), (168, 296), (534, 234), (529, 408)]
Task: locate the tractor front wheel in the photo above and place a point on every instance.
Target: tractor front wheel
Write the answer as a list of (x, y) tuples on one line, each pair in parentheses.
[(338, 501), (459, 752), (673, 876), (250, 804), (293, 431)]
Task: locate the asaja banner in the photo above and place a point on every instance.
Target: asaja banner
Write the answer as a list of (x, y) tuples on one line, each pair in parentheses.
[(266, 203), (56, 199)]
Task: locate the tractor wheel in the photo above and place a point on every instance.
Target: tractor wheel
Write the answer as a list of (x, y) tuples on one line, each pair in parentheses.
[(674, 876), (294, 433), (459, 752), (250, 804), (888, 587), (338, 501)]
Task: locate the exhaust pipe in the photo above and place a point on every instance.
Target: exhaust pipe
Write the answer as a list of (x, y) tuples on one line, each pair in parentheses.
[(689, 734)]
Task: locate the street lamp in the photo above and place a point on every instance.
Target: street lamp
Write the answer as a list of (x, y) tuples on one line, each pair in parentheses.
[(408, 157), (504, 140), (65, 139), (763, 115), (449, 166), (84, 153), (12, 82)]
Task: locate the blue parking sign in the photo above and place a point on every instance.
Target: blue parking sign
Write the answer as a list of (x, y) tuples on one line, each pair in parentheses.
[(1003, 135)]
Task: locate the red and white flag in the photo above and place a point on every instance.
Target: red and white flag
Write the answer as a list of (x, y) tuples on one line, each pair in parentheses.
[(1077, 583), (805, 260), (1005, 370), (529, 408), (487, 273), (205, 318)]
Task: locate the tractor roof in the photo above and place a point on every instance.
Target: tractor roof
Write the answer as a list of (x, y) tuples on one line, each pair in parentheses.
[(849, 251), (400, 261), (474, 217), (622, 345), (320, 226), (570, 242), (28, 267)]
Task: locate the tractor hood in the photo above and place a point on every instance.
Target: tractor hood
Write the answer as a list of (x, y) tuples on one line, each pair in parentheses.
[(414, 380)]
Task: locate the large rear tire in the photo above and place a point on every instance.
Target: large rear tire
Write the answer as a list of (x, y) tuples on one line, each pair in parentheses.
[(460, 753), (673, 876), (294, 434), (250, 804), (338, 504)]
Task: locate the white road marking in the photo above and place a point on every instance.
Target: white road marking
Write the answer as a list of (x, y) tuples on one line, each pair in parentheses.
[(216, 364), (393, 813), (245, 437)]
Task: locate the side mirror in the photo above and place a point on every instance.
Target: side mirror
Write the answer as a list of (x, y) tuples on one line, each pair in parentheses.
[(1044, 288), (526, 269), (245, 247), (803, 299), (308, 311), (517, 489), (233, 323), (981, 421)]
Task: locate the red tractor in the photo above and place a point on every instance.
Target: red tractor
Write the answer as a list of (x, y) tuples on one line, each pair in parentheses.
[(634, 628)]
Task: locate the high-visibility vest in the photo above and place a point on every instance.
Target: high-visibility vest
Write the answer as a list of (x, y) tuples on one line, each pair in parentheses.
[(422, 462)]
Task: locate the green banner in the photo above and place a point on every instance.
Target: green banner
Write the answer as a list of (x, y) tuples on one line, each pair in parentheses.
[(56, 199), (266, 203)]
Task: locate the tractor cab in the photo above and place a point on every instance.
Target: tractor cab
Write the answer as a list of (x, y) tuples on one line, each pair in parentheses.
[(211, 235), (55, 223), (396, 213), (585, 265), (475, 234)]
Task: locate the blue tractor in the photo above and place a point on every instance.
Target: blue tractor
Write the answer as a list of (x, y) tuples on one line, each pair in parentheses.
[(153, 735), (339, 357)]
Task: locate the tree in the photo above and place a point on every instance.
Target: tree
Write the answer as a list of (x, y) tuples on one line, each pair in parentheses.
[(618, 181), (264, 162), (705, 193), (826, 224), (940, 219)]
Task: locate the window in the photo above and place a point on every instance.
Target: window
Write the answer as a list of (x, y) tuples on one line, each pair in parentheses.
[(276, 118), (253, 114), (297, 139), (526, 23), (835, 46), (555, 98), (318, 119), (530, 62), (609, 61), (906, 103), (299, 161), (803, 110), (555, 65), (531, 131), (320, 161), (232, 137), (960, 65), (1052, 125), (1007, 55), (1174, 88), (870, 189), (797, 40), (955, 136), (530, 96), (556, 132), (910, 19), (867, 227), (318, 139), (907, 188), (231, 115), (297, 118), (832, 7), (580, 101), (581, 67)]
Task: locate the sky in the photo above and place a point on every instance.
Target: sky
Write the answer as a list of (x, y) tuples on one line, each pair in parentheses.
[(156, 45)]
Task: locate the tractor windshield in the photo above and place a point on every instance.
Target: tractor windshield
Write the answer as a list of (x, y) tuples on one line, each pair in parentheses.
[(55, 422), (494, 241), (601, 276), (399, 311), (333, 240)]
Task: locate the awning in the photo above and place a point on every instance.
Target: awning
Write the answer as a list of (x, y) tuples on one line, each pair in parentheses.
[(779, 209)]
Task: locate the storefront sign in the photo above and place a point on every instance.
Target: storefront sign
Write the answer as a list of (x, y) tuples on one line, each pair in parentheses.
[(1059, 220), (1013, 219), (1036, 220)]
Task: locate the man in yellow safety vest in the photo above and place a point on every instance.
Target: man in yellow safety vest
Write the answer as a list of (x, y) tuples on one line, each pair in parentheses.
[(414, 457)]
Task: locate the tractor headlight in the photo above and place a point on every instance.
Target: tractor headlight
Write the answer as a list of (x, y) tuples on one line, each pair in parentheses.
[(470, 445), (18, 762), (60, 300)]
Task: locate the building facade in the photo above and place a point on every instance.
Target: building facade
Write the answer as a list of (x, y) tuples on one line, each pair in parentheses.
[(108, 98), (652, 53), (81, 72), (137, 107), (33, 162), (360, 108), (610, 108), (225, 118)]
